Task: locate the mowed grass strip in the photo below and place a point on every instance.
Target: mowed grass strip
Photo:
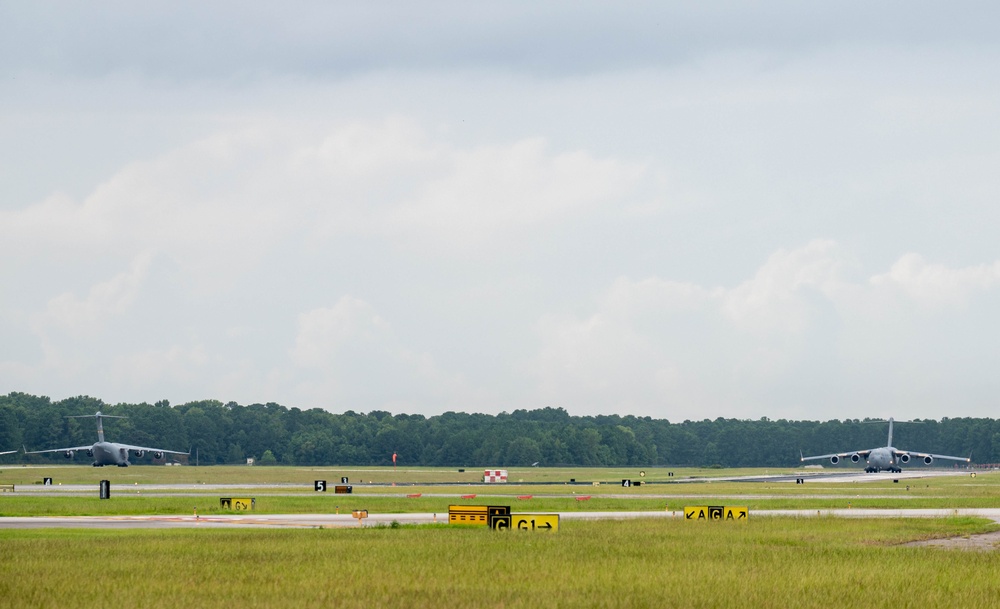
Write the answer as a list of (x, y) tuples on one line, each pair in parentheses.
[(764, 563), (12, 504)]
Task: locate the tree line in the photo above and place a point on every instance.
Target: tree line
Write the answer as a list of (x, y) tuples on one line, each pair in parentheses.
[(228, 433)]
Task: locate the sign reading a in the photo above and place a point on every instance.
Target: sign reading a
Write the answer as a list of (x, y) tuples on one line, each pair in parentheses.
[(698, 512), (737, 513)]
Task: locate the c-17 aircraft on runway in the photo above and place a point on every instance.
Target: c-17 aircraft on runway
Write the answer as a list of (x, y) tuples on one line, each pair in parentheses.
[(883, 458), (107, 453)]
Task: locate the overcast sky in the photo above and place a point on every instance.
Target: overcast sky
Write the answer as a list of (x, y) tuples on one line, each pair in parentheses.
[(683, 211)]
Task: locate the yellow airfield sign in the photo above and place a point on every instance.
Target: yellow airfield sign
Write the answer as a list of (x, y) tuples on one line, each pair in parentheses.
[(697, 512), (717, 512), (467, 514), (475, 514), (543, 523), (238, 504)]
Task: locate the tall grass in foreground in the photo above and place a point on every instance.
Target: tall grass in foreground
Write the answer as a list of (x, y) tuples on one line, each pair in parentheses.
[(764, 563)]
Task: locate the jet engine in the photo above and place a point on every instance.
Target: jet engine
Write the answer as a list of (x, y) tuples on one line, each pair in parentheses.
[(139, 453), (855, 458), (904, 458), (157, 455), (69, 454), (835, 459), (928, 459), (90, 453)]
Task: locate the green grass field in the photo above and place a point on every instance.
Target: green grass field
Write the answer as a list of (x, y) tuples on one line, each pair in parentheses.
[(819, 563), (768, 562), (131, 493)]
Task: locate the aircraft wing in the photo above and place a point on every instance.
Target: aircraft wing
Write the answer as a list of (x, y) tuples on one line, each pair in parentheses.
[(7, 452), (150, 450), (59, 450), (912, 454), (862, 453)]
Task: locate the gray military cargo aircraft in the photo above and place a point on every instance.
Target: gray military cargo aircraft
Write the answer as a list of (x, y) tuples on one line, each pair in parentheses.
[(107, 453), (886, 458)]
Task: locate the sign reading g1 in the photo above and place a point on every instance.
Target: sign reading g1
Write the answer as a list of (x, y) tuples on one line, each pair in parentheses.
[(544, 523)]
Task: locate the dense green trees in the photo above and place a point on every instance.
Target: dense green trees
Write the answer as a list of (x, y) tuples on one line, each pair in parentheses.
[(229, 433)]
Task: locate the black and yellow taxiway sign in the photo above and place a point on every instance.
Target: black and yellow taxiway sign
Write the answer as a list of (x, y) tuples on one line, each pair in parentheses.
[(238, 504), (543, 523), (696, 512), (475, 514), (716, 512), (731, 512)]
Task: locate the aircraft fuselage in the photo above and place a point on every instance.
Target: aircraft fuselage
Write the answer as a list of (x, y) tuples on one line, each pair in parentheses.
[(883, 459), (109, 453)]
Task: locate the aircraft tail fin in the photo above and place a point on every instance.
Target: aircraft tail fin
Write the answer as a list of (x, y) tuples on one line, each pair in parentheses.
[(890, 432), (98, 416)]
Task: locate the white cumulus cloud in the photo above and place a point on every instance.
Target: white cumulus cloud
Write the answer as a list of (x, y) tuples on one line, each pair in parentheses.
[(803, 329)]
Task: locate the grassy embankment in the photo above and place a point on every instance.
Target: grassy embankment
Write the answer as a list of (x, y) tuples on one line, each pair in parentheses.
[(764, 563)]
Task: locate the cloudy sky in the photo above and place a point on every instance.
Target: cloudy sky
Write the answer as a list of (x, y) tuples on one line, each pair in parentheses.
[(682, 211)]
